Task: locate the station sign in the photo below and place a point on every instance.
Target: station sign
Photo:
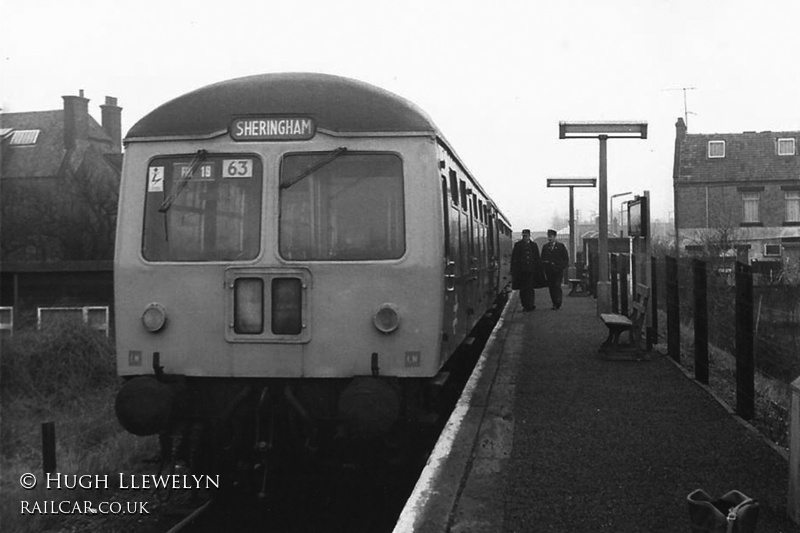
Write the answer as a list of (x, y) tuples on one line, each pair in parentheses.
[(638, 217), (272, 128)]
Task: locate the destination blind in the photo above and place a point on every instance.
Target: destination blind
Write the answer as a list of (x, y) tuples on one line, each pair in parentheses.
[(272, 128)]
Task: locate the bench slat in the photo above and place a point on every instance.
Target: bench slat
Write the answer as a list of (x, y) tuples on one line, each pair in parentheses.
[(611, 318)]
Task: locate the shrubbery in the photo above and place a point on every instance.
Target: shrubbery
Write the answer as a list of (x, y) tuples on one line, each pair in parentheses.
[(56, 363), (64, 374)]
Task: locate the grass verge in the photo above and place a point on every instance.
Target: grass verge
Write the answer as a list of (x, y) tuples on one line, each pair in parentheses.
[(66, 375)]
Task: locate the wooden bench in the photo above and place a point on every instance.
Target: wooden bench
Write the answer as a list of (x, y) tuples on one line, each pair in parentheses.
[(577, 287), (633, 323)]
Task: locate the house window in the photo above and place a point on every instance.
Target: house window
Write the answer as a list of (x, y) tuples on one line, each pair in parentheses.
[(772, 249), (792, 206), (716, 149), (785, 146), (750, 201)]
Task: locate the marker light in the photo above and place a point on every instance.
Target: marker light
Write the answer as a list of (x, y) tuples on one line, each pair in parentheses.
[(154, 317), (386, 318), (248, 306), (287, 306)]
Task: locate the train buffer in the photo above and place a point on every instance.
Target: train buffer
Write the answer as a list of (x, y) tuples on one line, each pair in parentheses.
[(633, 323)]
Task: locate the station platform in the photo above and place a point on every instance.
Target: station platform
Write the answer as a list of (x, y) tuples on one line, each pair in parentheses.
[(550, 437)]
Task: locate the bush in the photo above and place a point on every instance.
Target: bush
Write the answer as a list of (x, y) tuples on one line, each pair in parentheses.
[(63, 374), (56, 363)]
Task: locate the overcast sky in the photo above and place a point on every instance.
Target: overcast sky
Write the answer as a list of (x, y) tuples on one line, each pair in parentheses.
[(495, 76)]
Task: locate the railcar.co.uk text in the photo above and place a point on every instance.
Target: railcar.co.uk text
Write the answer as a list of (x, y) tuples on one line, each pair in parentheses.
[(62, 482)]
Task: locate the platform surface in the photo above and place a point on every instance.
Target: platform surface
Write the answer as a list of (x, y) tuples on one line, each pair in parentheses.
[(550, 437)]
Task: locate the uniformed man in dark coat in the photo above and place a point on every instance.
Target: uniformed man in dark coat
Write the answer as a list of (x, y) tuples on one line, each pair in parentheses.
[(555, 259), (525, 266)]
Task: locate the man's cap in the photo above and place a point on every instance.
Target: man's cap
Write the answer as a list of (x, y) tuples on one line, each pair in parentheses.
[(552, 232), (526, 231)]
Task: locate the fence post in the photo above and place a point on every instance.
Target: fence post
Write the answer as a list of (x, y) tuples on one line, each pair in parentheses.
[(652, 330), (673, 310), (623, 267), (48, 447), (745, 372), (613, 271), (794, 454), (700, 321)]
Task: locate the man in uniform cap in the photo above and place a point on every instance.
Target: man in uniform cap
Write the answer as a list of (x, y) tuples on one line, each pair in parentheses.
[(555, 258), (525, 264)]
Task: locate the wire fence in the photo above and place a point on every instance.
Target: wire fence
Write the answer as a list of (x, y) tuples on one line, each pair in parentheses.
[(738, 330)]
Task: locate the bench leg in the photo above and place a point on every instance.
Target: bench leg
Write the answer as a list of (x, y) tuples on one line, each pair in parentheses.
[(573, 290), (631, 351), (612, 341)]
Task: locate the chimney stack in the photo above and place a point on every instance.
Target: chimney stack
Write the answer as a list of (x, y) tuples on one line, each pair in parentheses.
[(112, 122), (680, 135), (680, 129), (76, 120)]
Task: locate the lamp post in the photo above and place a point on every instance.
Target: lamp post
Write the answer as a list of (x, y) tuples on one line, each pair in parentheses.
[(572, 183), (603, 131), (613, 225)]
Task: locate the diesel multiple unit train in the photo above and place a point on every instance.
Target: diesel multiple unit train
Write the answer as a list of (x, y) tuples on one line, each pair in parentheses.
[(297, 257)]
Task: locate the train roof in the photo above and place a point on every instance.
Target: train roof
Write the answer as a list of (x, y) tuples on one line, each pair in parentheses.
[(337, 104)]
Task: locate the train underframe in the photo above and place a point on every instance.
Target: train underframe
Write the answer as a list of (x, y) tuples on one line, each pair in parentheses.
[(252, 431)]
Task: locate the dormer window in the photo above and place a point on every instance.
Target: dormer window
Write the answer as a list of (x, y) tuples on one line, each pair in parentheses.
[(786, 147), (24, 137), (716, 149)]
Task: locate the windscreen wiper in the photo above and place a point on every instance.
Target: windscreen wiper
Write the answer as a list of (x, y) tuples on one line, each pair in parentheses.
[(198, 158), (307, 172)]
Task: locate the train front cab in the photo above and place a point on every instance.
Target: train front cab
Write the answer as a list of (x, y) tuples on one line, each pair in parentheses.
[(221, 289)]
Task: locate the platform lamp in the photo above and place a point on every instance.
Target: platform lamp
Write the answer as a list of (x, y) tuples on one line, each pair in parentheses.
[(603, 131), (572, 183)]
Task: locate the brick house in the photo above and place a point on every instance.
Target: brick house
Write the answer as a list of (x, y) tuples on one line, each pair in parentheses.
[(59, 182), (737, 195)]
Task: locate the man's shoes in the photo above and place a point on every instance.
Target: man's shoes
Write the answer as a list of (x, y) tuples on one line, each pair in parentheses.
[(556, 307), (526, 309)]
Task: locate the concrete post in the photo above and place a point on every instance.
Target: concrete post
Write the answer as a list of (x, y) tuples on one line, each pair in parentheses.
[(793, 504), (603, 283)]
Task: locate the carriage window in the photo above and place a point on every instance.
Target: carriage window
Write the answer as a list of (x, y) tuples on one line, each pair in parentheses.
[(349, 209), (203, 210), (454, 187)]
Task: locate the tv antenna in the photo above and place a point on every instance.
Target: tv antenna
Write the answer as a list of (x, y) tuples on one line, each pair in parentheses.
[(686, 111)]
